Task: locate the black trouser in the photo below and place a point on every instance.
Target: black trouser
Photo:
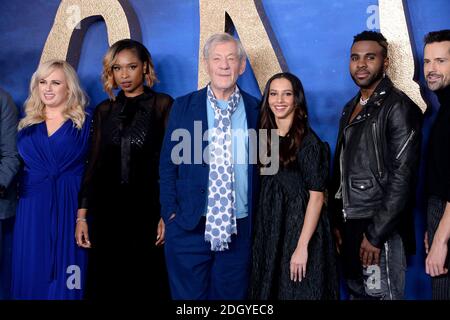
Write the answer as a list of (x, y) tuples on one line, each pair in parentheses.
[(6, 228), (441, 284)]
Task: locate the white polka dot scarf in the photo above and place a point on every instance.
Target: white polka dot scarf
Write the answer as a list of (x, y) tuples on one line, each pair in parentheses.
[(220, 216)]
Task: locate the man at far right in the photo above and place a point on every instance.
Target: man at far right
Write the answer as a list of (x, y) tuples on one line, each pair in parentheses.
[(436, 65)]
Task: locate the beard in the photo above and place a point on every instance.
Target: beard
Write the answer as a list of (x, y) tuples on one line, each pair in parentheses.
[(437, 84), (368, 82)]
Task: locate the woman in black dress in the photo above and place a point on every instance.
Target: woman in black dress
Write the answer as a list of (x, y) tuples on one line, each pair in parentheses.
[(120, 191), (293, 255)]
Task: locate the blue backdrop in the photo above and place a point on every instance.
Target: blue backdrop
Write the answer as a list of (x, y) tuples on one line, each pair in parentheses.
[(314, 36)]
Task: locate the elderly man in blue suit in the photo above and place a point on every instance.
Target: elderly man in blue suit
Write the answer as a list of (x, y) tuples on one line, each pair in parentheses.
[(9, 165), (208, 180)]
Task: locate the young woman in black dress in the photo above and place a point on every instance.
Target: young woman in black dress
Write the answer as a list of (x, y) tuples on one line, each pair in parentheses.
[(293, 254)]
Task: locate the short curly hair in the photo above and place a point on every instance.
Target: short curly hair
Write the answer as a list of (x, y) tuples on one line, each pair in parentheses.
[(110, 59), (373, 36)]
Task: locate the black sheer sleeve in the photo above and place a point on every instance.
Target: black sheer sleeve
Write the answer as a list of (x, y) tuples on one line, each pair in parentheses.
[(95, 144), (163, 105)]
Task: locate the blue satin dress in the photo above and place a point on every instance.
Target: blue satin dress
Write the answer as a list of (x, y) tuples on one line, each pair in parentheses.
[(47, 263)]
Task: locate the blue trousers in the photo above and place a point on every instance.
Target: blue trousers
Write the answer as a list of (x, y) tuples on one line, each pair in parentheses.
[(197, 273)]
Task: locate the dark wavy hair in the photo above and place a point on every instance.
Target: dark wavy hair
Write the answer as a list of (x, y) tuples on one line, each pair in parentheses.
[(299, 127)]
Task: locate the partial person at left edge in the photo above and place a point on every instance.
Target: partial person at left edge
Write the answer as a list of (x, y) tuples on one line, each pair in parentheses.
[(9, 166)]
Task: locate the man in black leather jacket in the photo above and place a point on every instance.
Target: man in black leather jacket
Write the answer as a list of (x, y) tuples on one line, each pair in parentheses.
[(375, 168)]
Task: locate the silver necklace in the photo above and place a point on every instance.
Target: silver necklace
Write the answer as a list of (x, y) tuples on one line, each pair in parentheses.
[(362, 101)]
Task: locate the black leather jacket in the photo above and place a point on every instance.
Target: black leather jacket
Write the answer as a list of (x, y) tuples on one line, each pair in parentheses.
[(379, 161)]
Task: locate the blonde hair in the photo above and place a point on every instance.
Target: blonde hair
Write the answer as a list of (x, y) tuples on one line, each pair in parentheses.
[(111, 57), (76, 100)]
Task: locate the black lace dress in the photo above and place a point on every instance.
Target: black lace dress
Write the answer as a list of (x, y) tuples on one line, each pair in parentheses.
[(277, 226), (121, 192)]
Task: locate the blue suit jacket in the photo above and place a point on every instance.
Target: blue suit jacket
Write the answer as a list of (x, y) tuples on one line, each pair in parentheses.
[(183, 187)]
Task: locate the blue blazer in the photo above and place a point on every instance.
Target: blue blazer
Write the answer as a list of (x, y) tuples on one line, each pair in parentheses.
[(184, 186)]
